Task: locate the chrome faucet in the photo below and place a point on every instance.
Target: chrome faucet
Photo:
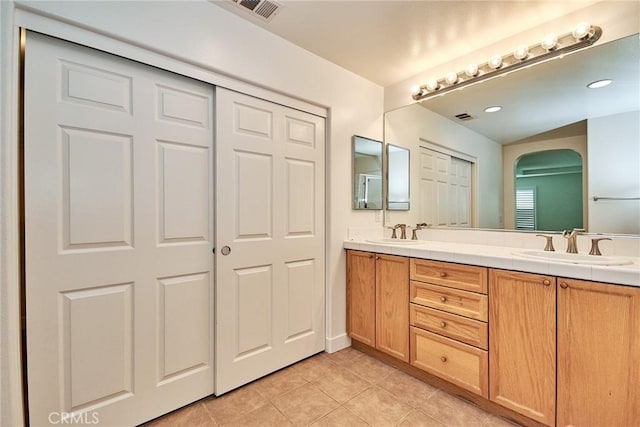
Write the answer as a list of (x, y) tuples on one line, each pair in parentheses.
[(571, 236), (420, 226)]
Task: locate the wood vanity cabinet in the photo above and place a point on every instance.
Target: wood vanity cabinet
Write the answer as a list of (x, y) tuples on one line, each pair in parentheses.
[(361, 296), (377, 301), (596, 360), (598, 354), (449, 322), (522, 343)]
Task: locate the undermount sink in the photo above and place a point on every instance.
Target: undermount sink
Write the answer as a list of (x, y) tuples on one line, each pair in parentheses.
[(390, 241), (574, 258)]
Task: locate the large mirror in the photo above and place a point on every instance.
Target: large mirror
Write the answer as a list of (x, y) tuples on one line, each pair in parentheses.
[(398, 172), (551, 128), (367, 173)]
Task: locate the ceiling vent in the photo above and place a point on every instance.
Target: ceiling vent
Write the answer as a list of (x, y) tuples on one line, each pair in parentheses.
[(463, 116), (262, 9)]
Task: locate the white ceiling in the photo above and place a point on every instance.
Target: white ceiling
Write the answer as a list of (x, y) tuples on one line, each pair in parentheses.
[(388, 41)]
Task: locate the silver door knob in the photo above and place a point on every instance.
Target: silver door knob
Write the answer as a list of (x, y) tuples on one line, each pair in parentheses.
[(226, 250)]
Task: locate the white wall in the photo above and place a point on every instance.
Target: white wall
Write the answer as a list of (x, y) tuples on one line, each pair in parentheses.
[(614, 171), (198, 38), (405, 126)]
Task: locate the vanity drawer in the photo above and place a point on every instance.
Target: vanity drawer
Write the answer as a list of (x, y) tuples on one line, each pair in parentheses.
[(459, 328), (458, 363), (468, 304), (466, 277)]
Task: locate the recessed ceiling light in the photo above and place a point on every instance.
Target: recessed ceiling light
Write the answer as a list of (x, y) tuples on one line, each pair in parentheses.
[(599, 83), (492, 109)]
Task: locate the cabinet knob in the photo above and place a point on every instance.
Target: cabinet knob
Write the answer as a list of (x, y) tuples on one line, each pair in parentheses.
[(443, 324), (443, 299), (443, 274), (444, 359), (377, 257), (546, 282), (564, 285)]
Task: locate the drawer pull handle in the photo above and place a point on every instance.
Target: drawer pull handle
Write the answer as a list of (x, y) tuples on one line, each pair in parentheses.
[(443, 299), (564, 285), (443, 324), (546, 282), (443, 274), (444, 359)]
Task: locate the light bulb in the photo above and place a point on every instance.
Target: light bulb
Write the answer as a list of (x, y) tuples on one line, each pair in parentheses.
[(415, 90), (432, 85), (451, 78), (581, 31), (495, 62), (471, 70), (521, 53), (493, 109), (549, 42)]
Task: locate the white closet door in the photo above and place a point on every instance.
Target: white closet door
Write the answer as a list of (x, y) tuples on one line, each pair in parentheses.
[(460, 193), (445, 189), (434, 187), (270, 223), (119, 205)]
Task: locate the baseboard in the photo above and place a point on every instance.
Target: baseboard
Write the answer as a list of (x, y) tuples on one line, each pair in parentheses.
[(334, 344)]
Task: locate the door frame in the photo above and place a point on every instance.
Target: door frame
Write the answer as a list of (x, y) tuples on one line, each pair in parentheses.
[(13, 21)]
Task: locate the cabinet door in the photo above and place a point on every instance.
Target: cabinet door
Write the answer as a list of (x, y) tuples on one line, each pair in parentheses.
[(522, 343), (598, 354), (361, 296), (392, 306)]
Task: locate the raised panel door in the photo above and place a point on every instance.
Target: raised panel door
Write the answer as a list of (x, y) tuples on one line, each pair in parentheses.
[(118, 236), (270, 196), (361, 296), (598, 354), (392, 305), (522, 343)]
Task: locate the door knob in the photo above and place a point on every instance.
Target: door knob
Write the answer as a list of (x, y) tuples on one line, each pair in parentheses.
[(226, 250)]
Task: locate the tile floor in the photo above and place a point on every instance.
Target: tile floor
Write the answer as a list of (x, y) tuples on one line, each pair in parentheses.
[(346, 388)]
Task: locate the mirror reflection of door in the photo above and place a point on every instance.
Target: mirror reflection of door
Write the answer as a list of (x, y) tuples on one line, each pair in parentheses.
[(369, 191), (549, 193), (445, 189)]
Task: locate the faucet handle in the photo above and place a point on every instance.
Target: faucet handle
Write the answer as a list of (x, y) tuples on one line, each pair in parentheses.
[(393, 234), (549, 246), (595, 250)]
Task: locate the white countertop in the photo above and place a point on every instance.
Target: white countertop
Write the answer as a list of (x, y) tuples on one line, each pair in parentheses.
[(504, 258)]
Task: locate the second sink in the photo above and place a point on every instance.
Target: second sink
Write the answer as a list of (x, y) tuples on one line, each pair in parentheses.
[(574, 258)]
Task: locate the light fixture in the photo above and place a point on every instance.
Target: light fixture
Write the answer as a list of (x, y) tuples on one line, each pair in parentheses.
[(521, 53), (493, 109), (549, 42), (552, 46), (495, 62), (599, 83), (471, 70), (451, 78), (581, 31), (432, 85)]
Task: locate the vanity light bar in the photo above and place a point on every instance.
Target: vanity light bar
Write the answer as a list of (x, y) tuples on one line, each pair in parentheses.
[(550, 47)]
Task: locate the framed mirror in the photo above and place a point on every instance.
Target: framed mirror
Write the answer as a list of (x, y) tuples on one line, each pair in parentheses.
[(398, 172), (367, 173)]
